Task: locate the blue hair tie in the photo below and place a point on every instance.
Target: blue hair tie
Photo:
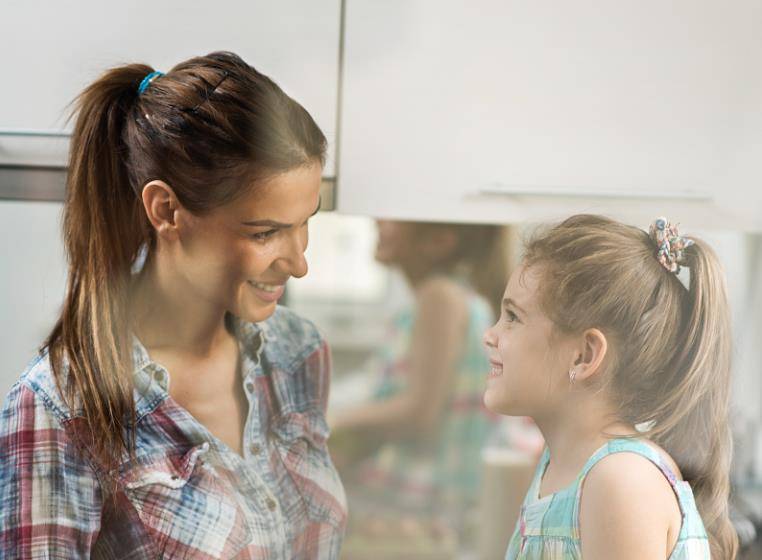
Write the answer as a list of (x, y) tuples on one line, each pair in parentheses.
[(147, 81)]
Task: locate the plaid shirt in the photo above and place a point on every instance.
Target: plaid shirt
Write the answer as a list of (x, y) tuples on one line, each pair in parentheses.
[(186, 494)]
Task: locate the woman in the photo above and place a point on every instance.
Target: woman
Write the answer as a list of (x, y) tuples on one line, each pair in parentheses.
[(175, 411)]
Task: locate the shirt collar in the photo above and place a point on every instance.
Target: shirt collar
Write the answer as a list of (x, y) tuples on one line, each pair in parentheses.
[(151, 380)]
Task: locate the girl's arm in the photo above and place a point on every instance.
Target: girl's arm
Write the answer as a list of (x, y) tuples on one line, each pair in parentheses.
[(628, 511), (436, 344)]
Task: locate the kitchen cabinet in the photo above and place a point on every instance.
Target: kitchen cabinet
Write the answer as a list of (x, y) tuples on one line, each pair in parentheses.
[(54, 49), (524, 111)]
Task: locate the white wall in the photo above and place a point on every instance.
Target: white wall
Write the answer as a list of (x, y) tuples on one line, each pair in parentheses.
[(32, 282)]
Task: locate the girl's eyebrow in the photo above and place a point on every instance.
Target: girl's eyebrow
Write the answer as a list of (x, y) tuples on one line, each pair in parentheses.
[(508, 302), (273, 223)]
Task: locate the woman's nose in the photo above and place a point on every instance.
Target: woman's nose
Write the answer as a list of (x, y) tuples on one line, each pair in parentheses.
[(294, 259)]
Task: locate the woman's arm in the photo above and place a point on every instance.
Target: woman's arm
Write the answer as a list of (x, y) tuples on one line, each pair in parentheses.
[(51, 498), (435, 346), (628, 511)]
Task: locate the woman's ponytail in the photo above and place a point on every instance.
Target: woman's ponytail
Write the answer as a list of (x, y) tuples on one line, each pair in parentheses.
[(104, 227)]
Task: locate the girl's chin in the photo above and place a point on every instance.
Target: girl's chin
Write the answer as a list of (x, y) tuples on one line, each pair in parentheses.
[(495, 402)]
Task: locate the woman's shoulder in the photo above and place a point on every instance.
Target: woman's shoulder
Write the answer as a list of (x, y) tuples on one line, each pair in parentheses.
[(290, 337), (34, 397), (36, 387), (297, 357), (286, 338)]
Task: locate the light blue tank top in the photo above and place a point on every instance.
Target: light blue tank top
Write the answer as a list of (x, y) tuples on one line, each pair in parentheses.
[(548, 527)]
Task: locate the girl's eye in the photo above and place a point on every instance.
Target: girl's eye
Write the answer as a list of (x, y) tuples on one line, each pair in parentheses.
[(510, 316), (263, 235)]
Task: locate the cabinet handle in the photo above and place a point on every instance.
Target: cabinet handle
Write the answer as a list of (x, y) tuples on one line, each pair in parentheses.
[(27, 132), (588, 192)]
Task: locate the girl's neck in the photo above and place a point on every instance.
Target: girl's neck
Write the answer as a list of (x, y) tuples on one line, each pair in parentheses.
[(576, 430)]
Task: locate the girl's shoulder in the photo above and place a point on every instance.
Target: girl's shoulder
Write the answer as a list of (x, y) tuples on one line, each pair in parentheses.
[(638, 454), (630, 484)]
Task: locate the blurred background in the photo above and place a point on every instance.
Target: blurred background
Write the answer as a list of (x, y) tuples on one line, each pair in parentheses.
[(454, 128)]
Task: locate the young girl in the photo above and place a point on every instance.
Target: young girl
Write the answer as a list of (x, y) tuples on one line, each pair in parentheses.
[(175, 411), (626, 370), (427, 417)]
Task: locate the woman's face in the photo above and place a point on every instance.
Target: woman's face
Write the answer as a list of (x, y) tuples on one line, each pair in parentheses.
[(528, 376), (240, 256)]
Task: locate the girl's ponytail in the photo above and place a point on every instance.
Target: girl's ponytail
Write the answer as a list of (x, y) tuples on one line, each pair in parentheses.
[(692, 420)]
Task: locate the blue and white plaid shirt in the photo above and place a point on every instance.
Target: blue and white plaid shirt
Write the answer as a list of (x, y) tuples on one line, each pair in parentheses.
[(187, 494)]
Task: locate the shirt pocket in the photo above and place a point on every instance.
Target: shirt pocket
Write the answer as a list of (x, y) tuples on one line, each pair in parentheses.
[(300, 438), (181, 502)]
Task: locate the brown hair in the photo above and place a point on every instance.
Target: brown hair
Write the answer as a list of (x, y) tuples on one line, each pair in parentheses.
[(669, 368), (210, 128), (482, 252)]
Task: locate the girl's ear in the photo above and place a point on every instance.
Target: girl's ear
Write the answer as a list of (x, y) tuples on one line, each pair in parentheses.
[(590, 356)]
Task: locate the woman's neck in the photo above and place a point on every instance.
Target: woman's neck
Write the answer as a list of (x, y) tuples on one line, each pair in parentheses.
[(169, 317)]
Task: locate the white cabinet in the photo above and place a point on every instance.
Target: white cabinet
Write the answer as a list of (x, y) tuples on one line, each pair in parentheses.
[(52, 50), (526, 110)]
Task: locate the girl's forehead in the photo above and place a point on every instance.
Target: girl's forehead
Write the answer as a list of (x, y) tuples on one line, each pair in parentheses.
[(523, 284)]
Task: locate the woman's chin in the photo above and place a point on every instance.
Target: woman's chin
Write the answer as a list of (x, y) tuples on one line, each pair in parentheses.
[(258, 313)]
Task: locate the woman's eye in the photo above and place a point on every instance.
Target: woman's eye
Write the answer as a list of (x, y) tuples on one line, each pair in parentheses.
[(263, 235)]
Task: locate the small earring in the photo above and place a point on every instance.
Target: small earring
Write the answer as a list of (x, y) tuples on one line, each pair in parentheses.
[(572, 375)]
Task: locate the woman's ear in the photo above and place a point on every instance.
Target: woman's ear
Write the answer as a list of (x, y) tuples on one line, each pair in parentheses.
[(590, 356), (161, 205)]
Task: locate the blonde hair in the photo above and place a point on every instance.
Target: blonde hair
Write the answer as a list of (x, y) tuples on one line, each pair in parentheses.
[(669, 362)]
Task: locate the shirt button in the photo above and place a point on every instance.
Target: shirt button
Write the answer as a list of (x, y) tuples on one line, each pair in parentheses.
[(255, 448), (271, 504), (250, 386)]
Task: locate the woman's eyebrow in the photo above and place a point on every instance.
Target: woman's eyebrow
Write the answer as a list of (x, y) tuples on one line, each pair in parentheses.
[(273, 223)]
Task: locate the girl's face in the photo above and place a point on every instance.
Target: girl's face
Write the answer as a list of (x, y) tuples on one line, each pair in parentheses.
[(414, 245), (395, 243), (528, 374), (239, 256)]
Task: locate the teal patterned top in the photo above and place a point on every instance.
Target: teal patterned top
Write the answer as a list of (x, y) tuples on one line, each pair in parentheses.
[(548, 527), (442, 472)]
